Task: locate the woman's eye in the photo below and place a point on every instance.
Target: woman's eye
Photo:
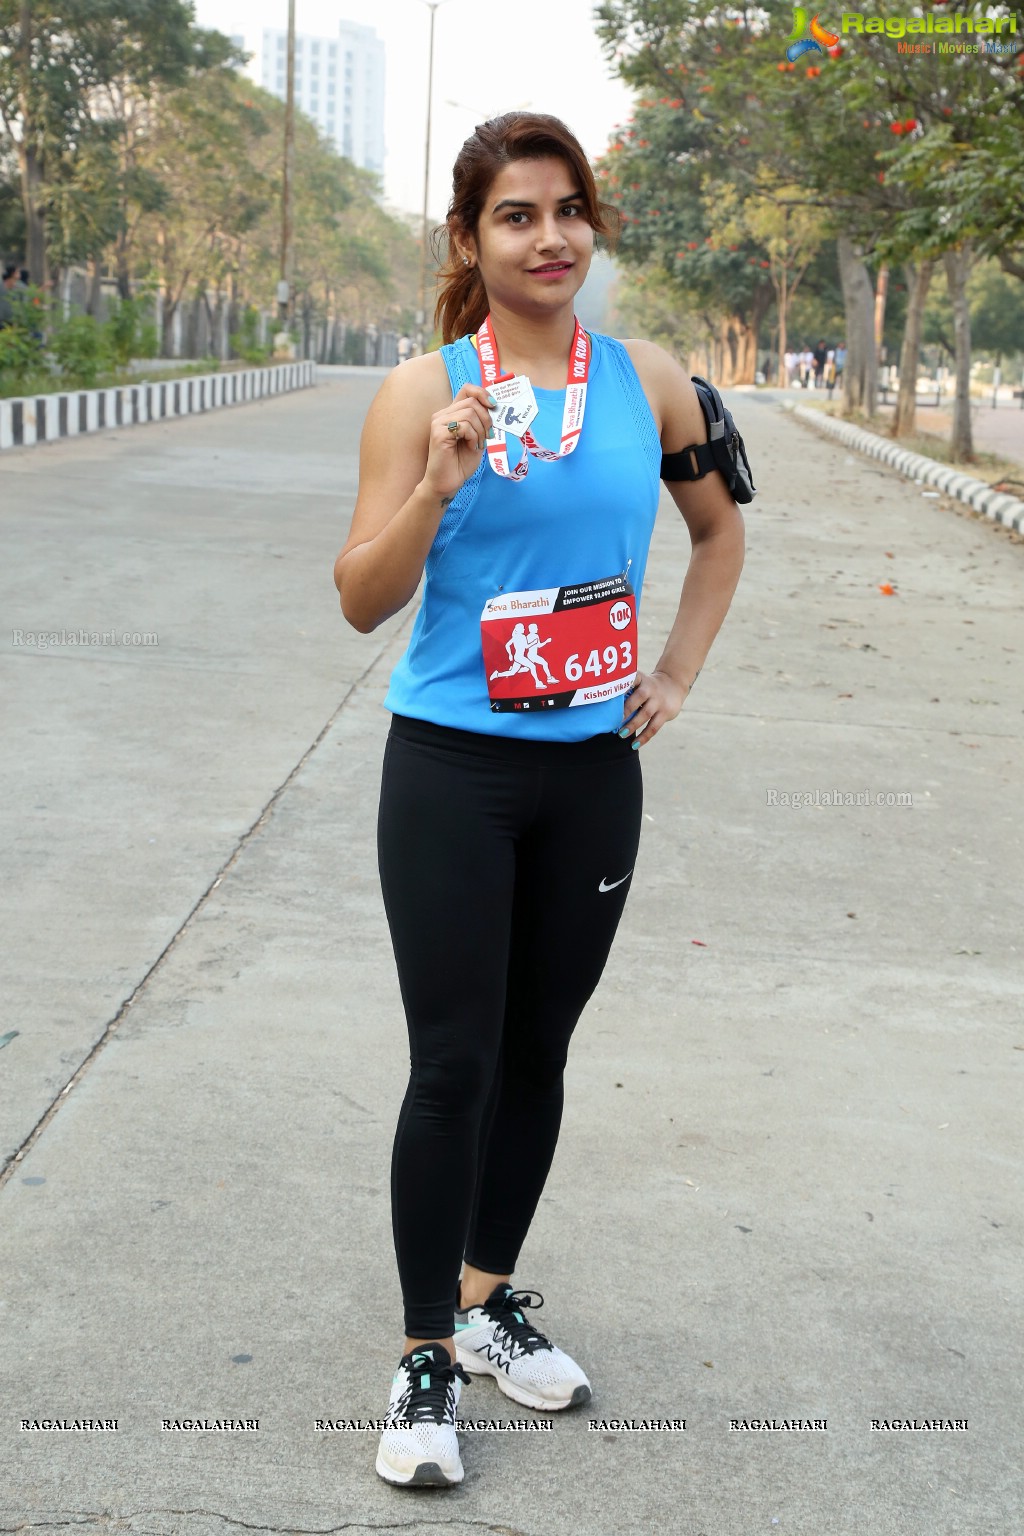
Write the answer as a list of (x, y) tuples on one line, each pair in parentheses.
[(571, 208), (516, 216)]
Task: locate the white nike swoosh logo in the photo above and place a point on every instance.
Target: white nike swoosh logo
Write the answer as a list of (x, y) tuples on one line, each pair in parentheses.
[(604, 887)]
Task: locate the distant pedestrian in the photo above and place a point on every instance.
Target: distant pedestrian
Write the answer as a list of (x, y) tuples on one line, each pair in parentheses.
[(404, 348), (10, 278), (806, 365), (840, 361), (818, 363), (792, 362)]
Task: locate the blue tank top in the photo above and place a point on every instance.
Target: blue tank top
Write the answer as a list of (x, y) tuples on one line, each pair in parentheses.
[(579, 519)]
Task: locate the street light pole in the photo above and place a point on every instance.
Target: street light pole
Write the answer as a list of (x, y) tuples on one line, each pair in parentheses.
[(285, 298), (422, 312)]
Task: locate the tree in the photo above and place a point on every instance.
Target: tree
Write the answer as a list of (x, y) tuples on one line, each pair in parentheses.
[(883, 190), (939, 111), (71, 75)]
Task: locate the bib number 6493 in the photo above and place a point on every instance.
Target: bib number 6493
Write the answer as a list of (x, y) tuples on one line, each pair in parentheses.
[(614, 658)]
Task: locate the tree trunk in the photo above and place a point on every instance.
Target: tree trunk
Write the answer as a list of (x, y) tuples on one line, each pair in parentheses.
[(92, 302), (860, 375), (736, 348), (729, 344), (918, 278), (958, 266), (783, 322), (881, 293), (122, 267), (29, 159)]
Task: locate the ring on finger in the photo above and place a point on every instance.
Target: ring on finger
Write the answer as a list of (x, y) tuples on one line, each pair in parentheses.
[(453, 428)]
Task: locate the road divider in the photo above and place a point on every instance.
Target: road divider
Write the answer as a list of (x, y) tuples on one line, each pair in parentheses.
[(32, 419), (998, 505)]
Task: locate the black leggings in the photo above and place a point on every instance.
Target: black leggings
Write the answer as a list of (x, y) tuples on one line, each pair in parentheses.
[(504, 868)]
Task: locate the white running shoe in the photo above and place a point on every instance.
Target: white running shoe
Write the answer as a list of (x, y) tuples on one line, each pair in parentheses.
[(420, 1445), (496, 1340)]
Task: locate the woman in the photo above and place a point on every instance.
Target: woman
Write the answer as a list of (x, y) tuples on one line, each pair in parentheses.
[(510, 812)]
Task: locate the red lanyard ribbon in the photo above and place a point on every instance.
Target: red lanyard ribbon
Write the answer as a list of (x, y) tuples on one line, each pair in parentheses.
[(577, 374)]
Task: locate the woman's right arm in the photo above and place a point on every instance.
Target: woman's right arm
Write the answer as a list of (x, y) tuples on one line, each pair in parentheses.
[(410, 467)]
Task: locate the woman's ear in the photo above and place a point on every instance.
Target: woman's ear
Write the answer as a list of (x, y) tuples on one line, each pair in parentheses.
[(464, 247)]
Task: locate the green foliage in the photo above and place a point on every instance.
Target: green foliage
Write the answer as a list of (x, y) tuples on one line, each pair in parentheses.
[(245, 342), (81, 347), (127, 138), (996, 307), (124, 330), (22, 340), (21, 356), (738, 167), (647, 304)]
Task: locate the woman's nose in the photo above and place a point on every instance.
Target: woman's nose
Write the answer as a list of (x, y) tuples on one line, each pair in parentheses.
[(550, 234)]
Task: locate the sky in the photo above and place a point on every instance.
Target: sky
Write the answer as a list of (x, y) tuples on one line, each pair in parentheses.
[(543, 55)]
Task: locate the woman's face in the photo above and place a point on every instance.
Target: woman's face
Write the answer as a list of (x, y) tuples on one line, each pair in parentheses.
[(533, 243)]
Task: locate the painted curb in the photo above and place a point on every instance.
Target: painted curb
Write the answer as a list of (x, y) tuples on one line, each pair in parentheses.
[(998, 505), (33, 419)]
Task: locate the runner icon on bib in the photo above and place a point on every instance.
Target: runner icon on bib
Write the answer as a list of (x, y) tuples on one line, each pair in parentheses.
[(559, 646)]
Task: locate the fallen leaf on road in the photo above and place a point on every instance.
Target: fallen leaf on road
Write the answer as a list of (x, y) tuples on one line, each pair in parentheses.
[(888, 588)]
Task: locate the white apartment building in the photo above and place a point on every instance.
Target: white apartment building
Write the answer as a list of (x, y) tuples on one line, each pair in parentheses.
[(339, 83)]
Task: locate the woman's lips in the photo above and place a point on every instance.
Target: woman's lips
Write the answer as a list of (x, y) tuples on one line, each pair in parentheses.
[(551, 270)]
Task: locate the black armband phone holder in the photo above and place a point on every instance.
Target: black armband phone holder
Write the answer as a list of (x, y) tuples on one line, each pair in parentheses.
[(724, 449)]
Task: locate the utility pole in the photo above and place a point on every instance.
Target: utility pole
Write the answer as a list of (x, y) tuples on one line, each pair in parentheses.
[(422, 312), (285, 297)]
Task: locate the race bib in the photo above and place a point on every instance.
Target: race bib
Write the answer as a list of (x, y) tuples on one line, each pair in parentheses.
[(560, 646)]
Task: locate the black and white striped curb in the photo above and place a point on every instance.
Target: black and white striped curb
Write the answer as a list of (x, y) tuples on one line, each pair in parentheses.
[(1002, 508), (46, 418)]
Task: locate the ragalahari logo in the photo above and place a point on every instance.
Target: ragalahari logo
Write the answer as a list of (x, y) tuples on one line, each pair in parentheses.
[(820, 41)]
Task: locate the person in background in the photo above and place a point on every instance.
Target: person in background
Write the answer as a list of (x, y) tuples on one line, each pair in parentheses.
[(818, 363), (10, 278)]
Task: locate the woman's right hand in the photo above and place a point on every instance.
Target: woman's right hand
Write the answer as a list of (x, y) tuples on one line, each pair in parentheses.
[(453, 457)]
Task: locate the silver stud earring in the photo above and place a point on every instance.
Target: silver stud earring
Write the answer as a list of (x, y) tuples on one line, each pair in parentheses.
[(465, 261)]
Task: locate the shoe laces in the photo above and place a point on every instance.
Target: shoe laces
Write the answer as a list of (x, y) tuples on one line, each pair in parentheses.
[(507, 1312), (430, 1380)]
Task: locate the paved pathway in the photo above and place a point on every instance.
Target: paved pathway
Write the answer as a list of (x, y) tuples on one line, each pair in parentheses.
[(788, 1180)]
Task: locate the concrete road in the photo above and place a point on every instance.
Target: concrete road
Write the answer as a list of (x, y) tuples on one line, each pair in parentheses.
[(788, 1184)]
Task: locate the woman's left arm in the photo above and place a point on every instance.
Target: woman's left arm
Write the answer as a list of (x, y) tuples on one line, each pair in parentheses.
[(715, 525)]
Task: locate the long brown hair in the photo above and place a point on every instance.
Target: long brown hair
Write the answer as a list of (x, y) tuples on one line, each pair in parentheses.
[(462, 301)]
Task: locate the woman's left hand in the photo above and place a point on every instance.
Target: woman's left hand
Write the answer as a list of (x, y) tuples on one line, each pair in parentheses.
[(654, 699)]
